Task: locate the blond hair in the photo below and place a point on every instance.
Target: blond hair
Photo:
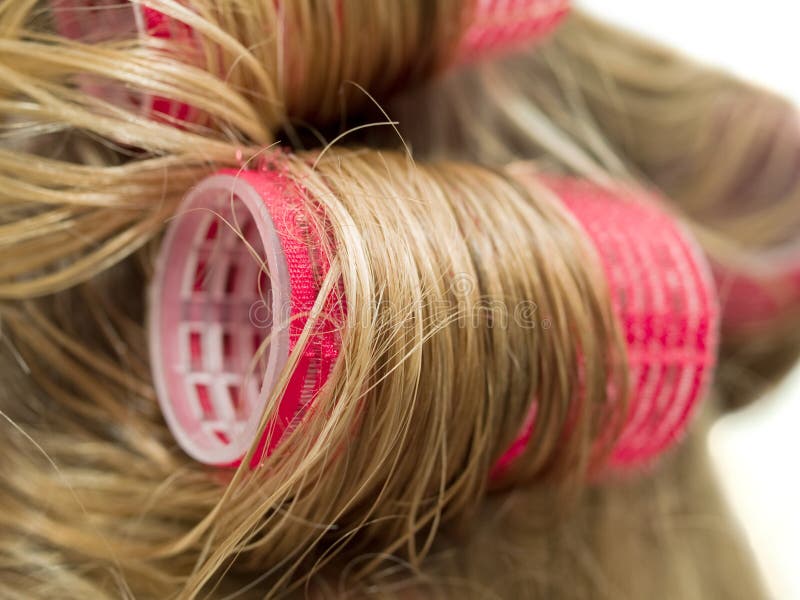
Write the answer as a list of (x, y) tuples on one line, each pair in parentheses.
[(384, 490)]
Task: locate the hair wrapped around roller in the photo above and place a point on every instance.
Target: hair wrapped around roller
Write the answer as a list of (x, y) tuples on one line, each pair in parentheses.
[(377, 298)]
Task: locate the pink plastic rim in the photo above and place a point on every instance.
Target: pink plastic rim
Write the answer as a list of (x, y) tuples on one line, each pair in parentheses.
[(665, 301), (95, 21), (222, 324)]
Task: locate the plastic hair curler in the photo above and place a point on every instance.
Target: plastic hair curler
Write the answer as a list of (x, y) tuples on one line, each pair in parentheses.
[(214, 301), (665, 301), (93, 21), (497, 26), (757, 295), (235, 284)]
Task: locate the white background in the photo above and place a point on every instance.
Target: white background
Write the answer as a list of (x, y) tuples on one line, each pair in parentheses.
[(757, 450)]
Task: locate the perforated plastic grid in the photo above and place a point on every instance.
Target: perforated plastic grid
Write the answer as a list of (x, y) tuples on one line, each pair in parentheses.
[(223, 318), (222, 278)]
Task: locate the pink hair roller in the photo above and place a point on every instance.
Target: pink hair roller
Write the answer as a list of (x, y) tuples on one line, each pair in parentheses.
[(500, 26), (664, 299), (204, 331), (497, 26), (214, 307), (105, 20), (755, 297)]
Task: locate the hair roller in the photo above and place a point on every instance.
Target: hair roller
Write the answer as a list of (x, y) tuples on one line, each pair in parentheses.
[(500, 26), (760, 308), (493, 27), (753, 298), (204, 333), (664, 302), (194, 294), (93, 21), (664, 297), (216, 306)]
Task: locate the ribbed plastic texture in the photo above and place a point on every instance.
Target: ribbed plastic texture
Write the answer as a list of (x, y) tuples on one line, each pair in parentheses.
[(223, 319), (665, 302)]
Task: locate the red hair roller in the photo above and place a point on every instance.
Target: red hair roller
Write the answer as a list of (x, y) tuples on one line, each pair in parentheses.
[(204, 332), (755, 297), (103, 20), (496, 26), (665, 302), (214, 306), (500, 26)]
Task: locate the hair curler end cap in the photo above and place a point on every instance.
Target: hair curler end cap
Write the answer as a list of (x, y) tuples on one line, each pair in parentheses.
[(213, 308)]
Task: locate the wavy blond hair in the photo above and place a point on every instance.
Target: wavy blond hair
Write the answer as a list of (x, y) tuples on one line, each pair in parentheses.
[(97, 501)]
